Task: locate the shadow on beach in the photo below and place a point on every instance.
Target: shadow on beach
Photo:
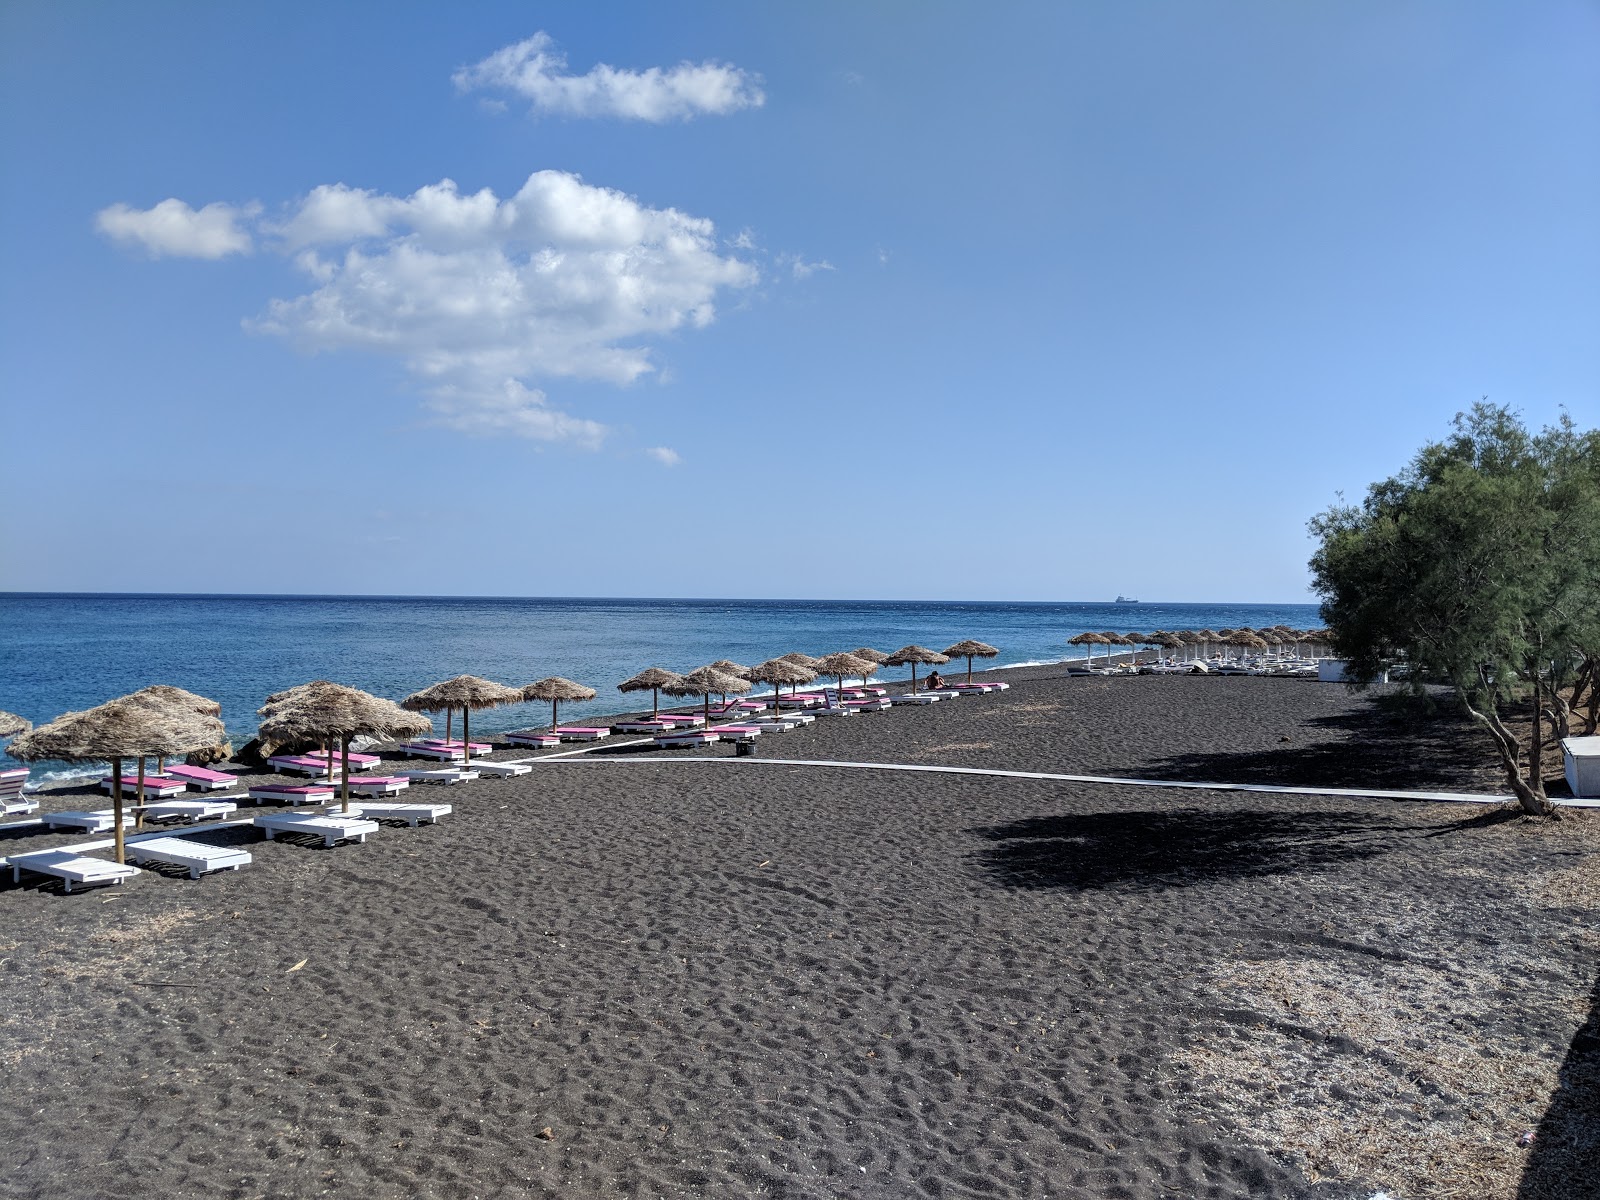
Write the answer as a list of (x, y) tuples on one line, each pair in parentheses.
[(1389, 742), (1153, 850), (1565, 1161)]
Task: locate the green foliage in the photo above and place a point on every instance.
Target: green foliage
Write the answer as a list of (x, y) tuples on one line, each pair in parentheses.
[(1479, 565)]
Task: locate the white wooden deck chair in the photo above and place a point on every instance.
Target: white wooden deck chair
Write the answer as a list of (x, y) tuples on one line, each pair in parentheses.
[(188, 810), (441, 775), (501, 770), (196, 856), (332, 830), (411, 814), (69, 867), (101, 821), (11, 798)]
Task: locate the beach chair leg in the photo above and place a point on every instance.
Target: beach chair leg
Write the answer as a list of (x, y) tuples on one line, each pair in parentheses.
[(194, 872), (66, 885)]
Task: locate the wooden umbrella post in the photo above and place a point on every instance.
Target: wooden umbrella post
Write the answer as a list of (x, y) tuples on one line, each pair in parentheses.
[(344, 764), (555, 716), (655, 703), (466, 736), (116, 805), (138, 807)]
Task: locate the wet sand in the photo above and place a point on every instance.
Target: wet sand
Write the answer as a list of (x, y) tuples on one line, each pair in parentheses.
[(650, 978)]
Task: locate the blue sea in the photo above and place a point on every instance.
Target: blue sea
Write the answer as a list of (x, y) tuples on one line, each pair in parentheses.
[(62, 652)]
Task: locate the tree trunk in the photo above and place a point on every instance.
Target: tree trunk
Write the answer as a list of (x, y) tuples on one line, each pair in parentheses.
[(1536, 739), (1508, 749)]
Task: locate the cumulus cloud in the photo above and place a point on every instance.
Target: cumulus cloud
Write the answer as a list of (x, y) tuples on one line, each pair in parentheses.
[(536, 70), (480, 297), (665, 455), (173, 229), (800, 268)]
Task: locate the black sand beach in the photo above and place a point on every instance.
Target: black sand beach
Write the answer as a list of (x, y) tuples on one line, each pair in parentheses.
[(643, 978)]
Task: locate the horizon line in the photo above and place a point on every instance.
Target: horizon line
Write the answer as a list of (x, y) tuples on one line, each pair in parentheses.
[(614, 599)]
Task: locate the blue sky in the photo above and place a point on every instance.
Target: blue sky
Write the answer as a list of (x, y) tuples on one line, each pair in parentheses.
[(1035, 301)]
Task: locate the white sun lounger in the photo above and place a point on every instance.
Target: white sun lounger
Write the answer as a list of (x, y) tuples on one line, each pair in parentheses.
[(188, 810), (411, 814), (90, 822), (500, 769), (294, 793), (582, 733), (196, 856), (70, 867), (686, 737), (11, 798), (916, 698), (832, 711), (331, 830), (381, 785), (445, 775)]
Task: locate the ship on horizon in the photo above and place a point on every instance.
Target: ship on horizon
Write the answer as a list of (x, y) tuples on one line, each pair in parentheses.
[(1125, 600)]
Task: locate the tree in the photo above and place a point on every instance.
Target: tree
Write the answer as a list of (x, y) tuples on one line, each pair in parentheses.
[(1479, 567)]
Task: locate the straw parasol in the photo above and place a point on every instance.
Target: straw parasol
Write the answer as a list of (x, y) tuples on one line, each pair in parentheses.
[(970, 650), (778, 671), (466, 692), (556, 689), (875, 657), (1088, 641), (842, 664), (913, 655), (321, 711), (651, 679), (10, 723), (136, 725), (705, 681)]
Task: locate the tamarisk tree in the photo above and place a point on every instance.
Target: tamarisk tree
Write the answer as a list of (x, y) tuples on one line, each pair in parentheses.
[(1478, 566)]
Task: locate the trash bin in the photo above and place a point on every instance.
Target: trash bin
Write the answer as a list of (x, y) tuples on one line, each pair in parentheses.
[(744, 747)]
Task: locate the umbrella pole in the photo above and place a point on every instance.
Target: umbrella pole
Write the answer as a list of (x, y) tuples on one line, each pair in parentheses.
[(913, 679), (448, 712), (116, 797), (138, 808), (466, 736), (655, 703), (328, 749), (969, 668), (555, 707), (344, 763)]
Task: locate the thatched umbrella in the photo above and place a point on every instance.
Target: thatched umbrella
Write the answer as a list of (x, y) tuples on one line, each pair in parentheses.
[(1209, 638), (138, 725), (10, 724), (1088, 641), (779, 671), (321, 711), (970, 650), (875, 657), (466, 692), (842, 664), (556, 689), (651, 679), (704, 682), (913, 655), (805, 660)]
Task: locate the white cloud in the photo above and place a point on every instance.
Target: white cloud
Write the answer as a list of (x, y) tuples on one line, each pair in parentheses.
[(537, 70), (665, 455), (479, 297), (174, 229), (800, 268)]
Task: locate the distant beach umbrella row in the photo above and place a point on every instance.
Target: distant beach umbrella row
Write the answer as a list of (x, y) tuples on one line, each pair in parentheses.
[(1243, 639)]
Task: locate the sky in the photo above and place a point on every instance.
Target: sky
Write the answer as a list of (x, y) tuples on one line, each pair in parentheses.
[(1035, 301)]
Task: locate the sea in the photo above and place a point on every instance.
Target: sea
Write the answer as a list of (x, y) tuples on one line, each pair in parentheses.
[(60, 652)]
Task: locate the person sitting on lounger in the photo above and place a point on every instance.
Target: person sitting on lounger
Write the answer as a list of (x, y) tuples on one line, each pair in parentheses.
[(935, 681)]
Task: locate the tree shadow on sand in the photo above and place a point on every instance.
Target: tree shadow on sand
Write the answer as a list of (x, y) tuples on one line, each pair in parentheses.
[(1389, 742), (1153, 850), (1565, 1162)]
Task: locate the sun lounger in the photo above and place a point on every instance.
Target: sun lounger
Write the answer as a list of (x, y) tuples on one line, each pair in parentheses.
[(429, 750), (11, 798), (180, 852), (411, 814), (202, 779), (803, 700), (188, 810), (836, 710), (682, 738), (683, 720), (378, 785), (158, 786), (442, 775), (70, 867), (317, 764), (873, 704), (916, 698), (453, 744), (293, 793), (582, 733), (532, 737), (774, 724), (645, 726), (330, 829), (736, 733), (500, 769), (90, 822)]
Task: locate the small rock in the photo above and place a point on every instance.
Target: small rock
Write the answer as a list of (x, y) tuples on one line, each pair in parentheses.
[(547, 1134)]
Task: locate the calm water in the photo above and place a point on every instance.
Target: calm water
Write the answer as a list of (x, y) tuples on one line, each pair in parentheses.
[(62, 652)]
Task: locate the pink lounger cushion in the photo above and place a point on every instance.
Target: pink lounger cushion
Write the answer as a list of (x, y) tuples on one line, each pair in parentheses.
[(201, 774), (452, 744), (289, 789), (581, 729)]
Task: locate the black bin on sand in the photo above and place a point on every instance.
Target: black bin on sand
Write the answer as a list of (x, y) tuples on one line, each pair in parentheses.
[(744, 748)]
